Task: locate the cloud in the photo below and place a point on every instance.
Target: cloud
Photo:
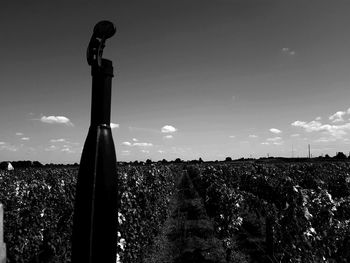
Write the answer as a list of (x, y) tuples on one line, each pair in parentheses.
[(135, 140), (253, 136), (318, 118), (114, 125), (274, 141), (295, 135), (168, 136), (139, 144), (25, 138), (58, 140), (275, 131), (168, 129), (337, 117), (288, 51), (5, 146), (56, 119), (161, 151), (315, 126), (67, 150), (143, 144), (125, 153), (51, 148), (19, 134), (231, 136), (265, 143), (325, 139)]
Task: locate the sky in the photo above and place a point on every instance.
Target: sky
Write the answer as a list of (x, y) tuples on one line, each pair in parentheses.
[(193, 78)]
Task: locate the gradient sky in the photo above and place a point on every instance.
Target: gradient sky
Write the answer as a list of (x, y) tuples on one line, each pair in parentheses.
[(193, 78)]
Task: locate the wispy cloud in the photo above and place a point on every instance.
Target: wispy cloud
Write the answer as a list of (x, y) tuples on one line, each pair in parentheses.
[(137, 144), (114, 125), (143, 144), (145, 151), (232, 136), (288, 51), (19, 134), (275, 131), (325, 139), (8, 147), (58, 140), (337, 117), (56, 120), (169, 136), (295, 135), (253, 136), (337, 131), (135, 140), (274, 140), (25, 138), (51, 148), (168, 129), (67, 150)]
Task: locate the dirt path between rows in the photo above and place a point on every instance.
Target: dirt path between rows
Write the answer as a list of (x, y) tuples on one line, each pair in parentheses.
[(188, 233)]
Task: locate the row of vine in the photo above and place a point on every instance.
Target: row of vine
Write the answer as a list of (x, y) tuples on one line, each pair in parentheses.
[(307, 205)]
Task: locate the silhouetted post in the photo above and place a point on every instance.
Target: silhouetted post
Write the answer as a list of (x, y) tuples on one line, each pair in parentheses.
[(95, 212)]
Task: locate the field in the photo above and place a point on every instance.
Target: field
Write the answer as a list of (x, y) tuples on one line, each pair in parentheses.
[(222, 212)]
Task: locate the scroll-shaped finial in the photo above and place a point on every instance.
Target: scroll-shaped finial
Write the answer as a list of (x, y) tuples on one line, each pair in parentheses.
[(102, 31)]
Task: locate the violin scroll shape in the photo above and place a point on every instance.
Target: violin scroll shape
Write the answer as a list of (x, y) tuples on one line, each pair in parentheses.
[(102, 31)]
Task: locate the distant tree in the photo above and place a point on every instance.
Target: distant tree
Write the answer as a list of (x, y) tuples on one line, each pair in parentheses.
[(164, 161), (327, 156), (200, 160), (340, 156), (37, 164), (228, 159), (178, 160), (148, 161), (3, 165)]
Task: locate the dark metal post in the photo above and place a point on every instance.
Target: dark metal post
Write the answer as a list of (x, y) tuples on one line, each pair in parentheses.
[(95, 212)]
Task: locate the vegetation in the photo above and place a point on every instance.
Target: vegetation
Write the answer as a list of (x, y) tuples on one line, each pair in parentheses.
[(254, 211)]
